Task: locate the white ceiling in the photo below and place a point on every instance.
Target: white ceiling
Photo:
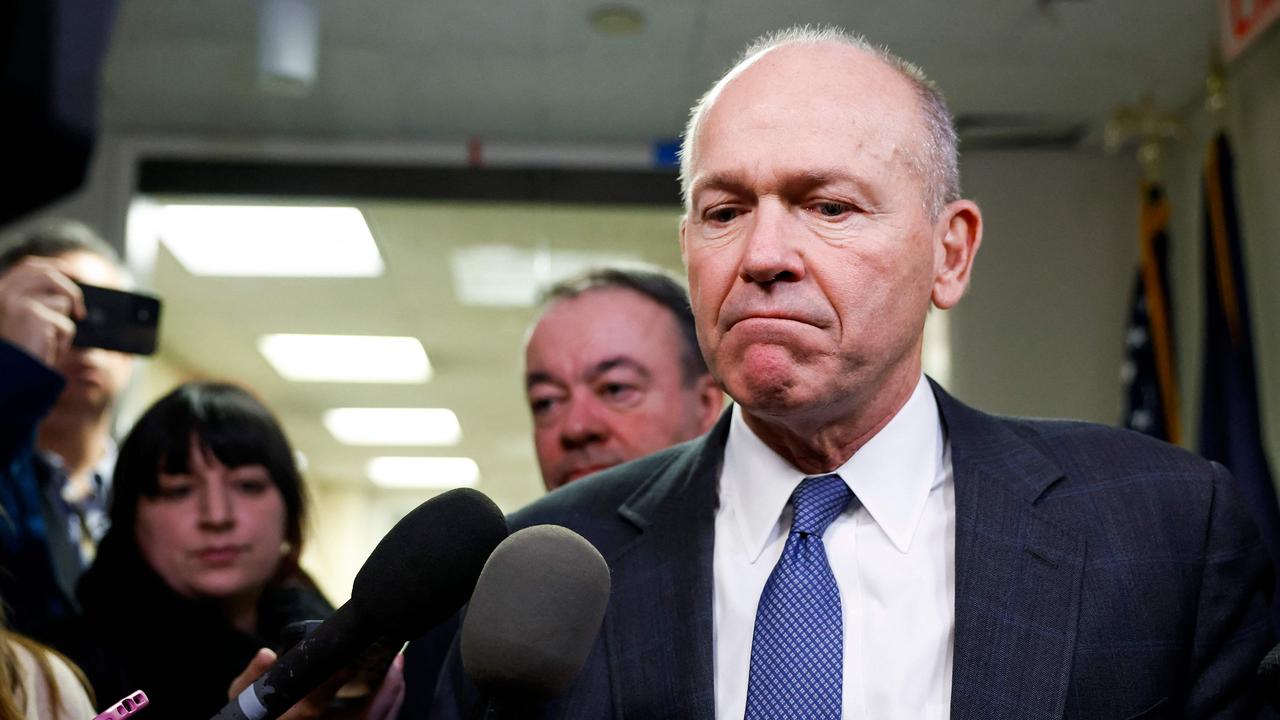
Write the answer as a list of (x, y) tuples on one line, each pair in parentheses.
[(535, 70)]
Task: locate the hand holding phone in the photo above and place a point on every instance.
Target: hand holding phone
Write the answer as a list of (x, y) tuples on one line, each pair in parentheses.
[(38, 308)]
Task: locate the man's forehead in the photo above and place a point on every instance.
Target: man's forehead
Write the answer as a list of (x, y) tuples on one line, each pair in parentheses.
[(576, 334), (798, 105)]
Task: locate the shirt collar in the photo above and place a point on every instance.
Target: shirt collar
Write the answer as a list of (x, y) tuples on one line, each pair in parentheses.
[(102, 469), (891, 475)]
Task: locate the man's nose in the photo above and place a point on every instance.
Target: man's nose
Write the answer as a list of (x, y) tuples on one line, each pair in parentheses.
[(770, 249), (582, 424), (216, 505)]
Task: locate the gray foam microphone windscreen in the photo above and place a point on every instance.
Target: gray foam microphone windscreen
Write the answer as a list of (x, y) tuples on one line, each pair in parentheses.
[(535, 614)]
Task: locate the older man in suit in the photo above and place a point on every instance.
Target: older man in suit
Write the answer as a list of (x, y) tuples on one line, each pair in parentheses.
[(850, 541)]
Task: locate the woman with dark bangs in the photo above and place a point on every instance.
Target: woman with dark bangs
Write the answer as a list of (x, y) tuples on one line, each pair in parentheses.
[(200, 567)]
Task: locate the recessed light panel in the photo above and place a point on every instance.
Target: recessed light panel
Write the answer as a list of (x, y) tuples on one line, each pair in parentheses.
[(346, 358), (510, 276), (270, 241), (394, 426), (423, 472)]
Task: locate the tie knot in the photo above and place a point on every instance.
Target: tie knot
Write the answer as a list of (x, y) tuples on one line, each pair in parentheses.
[(817, 501)]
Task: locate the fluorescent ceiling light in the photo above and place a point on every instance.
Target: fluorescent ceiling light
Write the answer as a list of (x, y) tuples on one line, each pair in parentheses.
[(510, 276), (270, 241), (346, 358), (423, 472), (394, 426)]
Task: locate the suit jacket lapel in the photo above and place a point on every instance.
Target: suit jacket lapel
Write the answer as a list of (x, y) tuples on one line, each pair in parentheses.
[(658, 630), (1018, 575)]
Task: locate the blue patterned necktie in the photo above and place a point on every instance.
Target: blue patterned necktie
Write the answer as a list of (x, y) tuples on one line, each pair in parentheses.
[(797, 649)]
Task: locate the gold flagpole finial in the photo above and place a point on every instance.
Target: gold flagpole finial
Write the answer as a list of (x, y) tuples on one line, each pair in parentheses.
[(1147, 126), (1215, 84)]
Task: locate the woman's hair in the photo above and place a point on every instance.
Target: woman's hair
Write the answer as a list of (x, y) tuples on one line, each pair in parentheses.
[(233, 425), (12, 690)]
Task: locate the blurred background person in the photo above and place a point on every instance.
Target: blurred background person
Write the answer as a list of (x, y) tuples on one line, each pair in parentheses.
[(56, 450), (613, 372), (38, 683), (200, 567)]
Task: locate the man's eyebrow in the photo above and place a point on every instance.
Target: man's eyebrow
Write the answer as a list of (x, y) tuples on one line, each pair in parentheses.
[(795, 183), (809, 179), (538, 377), (618, 361), (719, 181)]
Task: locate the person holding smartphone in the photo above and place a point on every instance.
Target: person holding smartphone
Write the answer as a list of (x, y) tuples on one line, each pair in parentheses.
[(56, 405)]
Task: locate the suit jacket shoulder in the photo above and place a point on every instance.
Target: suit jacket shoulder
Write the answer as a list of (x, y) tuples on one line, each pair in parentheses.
[(610, 507), (1085, 554)]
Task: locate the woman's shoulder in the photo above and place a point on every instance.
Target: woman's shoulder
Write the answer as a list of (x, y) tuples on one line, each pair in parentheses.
[(71, 700)]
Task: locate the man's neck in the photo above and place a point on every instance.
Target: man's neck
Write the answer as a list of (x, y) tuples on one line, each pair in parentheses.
[(820, 442), (79, 441)]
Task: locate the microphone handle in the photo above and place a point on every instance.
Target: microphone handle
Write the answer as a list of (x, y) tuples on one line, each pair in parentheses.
[(303, 668)]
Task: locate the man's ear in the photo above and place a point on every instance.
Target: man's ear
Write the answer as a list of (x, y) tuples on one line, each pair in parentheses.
[(957, 236), (710, 402)]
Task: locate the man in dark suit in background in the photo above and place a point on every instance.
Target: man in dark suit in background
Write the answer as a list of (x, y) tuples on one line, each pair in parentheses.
[(849, 540)]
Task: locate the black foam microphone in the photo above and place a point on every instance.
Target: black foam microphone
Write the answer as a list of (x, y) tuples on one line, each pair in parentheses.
[(533, 618), (418, 575)]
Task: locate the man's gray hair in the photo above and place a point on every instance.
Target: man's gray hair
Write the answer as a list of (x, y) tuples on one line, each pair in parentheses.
[(936, 159)]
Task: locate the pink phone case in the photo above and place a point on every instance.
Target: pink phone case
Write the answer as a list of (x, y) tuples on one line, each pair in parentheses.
[(125, 707)]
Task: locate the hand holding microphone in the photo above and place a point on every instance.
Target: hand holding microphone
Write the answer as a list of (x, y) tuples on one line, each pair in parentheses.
[(383, 704), (418, 575)]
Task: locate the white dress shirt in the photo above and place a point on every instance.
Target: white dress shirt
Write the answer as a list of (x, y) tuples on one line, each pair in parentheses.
[(892, 553)]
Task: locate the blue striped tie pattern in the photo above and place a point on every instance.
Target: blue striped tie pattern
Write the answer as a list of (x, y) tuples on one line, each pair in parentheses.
[(797, 649)]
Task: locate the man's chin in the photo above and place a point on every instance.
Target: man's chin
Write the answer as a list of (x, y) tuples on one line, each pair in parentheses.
[(769, 389)]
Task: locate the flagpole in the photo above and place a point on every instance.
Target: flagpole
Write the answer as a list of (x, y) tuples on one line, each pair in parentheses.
[(1149, 373)]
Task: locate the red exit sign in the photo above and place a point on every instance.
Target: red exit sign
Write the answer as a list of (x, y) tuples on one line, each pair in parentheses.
[(1243, 21)]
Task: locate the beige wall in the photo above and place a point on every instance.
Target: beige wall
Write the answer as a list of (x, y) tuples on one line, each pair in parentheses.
[(1041, 330)]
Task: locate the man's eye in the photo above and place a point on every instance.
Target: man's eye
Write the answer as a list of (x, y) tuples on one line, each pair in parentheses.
[(541, 406), (618, 391), (722, 214), (832, 209)]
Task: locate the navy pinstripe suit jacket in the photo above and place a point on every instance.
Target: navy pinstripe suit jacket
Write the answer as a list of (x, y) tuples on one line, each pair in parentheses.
[(1099, 574)]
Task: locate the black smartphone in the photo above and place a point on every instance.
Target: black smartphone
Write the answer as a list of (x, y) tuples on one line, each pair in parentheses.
[(118, 320)]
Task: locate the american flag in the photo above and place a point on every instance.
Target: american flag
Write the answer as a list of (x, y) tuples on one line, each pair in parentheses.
[(1149, 373)]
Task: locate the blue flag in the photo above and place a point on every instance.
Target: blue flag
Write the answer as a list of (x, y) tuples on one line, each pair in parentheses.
[(1230, 424)]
